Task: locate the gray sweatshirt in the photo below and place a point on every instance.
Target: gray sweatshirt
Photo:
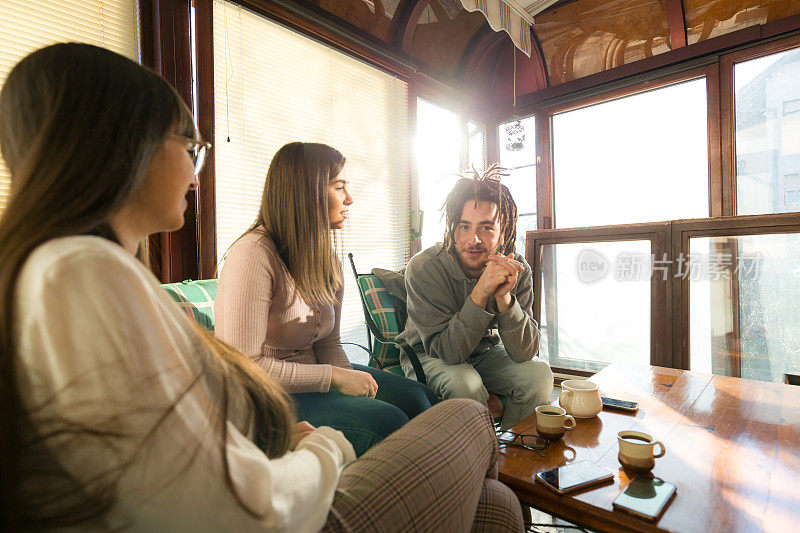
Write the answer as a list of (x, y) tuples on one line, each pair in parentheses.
[(444, 322)]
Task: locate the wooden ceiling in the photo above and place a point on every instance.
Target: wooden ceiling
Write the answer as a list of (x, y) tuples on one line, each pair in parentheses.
[(573, 39)]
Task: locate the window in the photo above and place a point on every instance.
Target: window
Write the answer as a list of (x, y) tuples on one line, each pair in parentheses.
[(642, 158), (518, 155), (438, 148), (477, 144), (596, 306), (791, 111), (630, 169), (447, 144), (274, 86), (743, 299), (791, 184), (767, 119), (620, 166), (26, 26)]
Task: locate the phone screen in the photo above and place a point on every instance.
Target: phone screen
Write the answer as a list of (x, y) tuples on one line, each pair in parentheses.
[(574, 475), (645, 496), (613, 403)]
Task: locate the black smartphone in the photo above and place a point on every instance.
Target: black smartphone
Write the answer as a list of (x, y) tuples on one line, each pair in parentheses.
[(645, 497), (622, 405), (574, 476)]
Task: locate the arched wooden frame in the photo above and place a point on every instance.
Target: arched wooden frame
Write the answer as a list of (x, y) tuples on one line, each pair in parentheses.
[(484, 40), (406, 22)]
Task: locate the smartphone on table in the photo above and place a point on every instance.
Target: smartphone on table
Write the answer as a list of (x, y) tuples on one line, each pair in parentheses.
[(645, 497), (574, 476), (619, 405)]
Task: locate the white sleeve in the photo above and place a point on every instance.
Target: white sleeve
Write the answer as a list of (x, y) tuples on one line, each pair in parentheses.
[(100, 346)]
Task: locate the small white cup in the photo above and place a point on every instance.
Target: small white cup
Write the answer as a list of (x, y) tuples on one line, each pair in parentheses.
[(636, 450), (552, 421)]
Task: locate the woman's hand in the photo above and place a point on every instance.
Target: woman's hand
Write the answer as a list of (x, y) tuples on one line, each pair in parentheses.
[(300, 431), (353, 382)]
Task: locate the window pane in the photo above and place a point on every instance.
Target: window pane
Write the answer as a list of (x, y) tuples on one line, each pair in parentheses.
[(595, 304), (477, 145), (438, 144), (522, 184), (743, 306), (643, 158), (518, 154), (768, 133), (517, 141)]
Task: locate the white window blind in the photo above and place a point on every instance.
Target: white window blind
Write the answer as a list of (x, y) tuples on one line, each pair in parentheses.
[(274, 86), (27, 25)]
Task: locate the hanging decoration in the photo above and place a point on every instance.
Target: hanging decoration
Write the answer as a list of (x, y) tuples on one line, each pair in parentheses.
[(515, 131)]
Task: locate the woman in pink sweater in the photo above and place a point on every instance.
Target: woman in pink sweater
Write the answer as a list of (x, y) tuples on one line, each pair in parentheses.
[(279, 302)]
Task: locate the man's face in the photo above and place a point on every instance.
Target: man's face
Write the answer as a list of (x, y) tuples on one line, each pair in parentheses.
[(477, 236)]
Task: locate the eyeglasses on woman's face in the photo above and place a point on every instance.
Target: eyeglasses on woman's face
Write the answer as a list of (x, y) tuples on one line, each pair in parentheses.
[(197, 151)]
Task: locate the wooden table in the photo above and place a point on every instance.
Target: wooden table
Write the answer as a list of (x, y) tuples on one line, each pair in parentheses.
[(733, 452)]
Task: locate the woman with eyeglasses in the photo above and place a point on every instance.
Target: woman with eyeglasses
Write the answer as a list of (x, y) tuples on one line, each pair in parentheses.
[(118, 412), (280, 302)]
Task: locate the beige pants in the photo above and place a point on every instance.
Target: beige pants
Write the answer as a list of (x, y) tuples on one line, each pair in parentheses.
[(525, 385)]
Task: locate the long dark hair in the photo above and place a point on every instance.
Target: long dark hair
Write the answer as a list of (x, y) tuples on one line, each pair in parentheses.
[(294, 214), (78, 128)]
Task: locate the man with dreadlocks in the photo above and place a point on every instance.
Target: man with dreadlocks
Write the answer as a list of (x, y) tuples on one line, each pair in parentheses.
[(469, 305)]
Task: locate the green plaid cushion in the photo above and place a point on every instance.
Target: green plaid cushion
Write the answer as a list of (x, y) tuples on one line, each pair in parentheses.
[(395, 369), (385, 355), (382, 308), (196, 298)]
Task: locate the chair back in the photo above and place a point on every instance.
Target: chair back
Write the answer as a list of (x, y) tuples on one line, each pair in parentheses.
[(196, 298), (380, 310), (385, 318)]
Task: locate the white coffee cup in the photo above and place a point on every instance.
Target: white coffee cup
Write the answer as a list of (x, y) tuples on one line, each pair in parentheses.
[(552, 421), (580, 398), (636, 450)]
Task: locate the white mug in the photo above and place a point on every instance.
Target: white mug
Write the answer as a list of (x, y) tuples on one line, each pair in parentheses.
[(636, 450), (580, 398), (552, 421)]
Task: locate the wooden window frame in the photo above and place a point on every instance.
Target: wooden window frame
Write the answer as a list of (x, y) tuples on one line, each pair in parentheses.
[(727, 109), (545, 140), (670, 298), (682, 232), (659, 235), (191, 251)]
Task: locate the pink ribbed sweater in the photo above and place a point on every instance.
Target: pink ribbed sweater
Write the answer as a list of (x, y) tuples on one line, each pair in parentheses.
[(259, 311)]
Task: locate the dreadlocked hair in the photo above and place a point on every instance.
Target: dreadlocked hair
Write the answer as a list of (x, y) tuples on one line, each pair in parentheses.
[(482, 187)]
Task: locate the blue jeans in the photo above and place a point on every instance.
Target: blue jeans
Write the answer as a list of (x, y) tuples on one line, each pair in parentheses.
[(366, 421)]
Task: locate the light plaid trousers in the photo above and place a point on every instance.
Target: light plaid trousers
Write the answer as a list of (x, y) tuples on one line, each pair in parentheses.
[(437, 473)]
